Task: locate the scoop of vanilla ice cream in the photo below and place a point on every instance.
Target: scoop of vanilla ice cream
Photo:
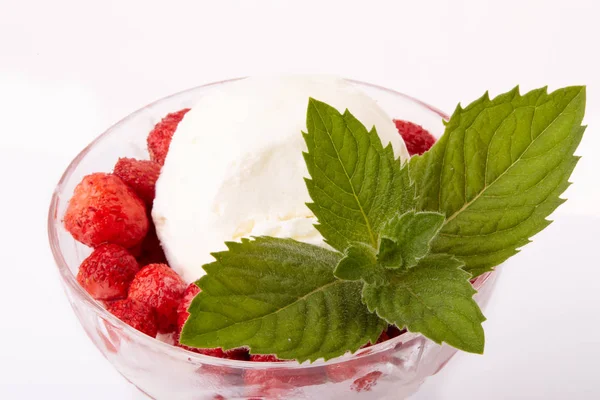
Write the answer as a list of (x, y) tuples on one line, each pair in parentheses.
[(235, 166)]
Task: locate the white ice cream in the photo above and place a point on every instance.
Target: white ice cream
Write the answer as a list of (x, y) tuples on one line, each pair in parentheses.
[(235, 167)]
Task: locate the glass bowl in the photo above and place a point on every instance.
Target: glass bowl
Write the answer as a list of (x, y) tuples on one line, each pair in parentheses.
[(391, 370)]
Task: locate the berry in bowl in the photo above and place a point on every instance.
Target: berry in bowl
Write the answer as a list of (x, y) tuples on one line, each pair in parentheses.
[(303, 236)]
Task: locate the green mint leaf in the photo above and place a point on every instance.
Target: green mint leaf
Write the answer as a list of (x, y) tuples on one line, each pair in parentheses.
[(404, 240), (356, 184), (435, 298), (390, 254), (407, 238), (498, 171), (360, 262), (279, 296)]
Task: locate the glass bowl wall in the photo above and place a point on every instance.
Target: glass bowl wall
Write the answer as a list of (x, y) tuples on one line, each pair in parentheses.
[(391, 370)]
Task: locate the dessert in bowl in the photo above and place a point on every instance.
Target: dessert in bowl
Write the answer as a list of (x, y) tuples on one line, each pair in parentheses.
[(163, 367)]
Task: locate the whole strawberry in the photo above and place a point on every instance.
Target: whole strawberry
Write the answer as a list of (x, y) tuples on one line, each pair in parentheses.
[(182, 310), (417, 139), (139, 175), (161, 288), (136, 314), (107, 272), (160, 137), (149, 251), (104, 209)]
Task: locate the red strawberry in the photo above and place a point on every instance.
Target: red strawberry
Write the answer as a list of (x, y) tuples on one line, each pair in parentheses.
[(107, 272), (393, 331), (139, 175), (237, 354), (161, 288), (417, 139), (160, 137), (216, 352), (366, 383), (233, 354), (103, 209), (383, 337), (149, 251), (182, 310), (138, 315), (264, 358)]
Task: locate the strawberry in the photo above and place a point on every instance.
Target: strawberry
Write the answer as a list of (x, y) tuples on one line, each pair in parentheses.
[(149, 250), (237, 354), (417, 139), (383, 337), (136, 314), (160, 137), (233, 354), (161, 288), (139, 175), (103, 209), (216, 352), (107, 272), (366, 383), (182, 310), (393, 331), (264, 358)]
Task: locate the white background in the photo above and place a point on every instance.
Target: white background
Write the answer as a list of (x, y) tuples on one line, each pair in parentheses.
[(69, 69)]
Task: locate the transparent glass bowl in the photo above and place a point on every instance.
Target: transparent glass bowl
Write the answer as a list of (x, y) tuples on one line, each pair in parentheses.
[(390, 370)]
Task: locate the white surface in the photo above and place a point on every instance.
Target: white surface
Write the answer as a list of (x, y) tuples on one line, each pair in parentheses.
[(247, 177), (68, 70)]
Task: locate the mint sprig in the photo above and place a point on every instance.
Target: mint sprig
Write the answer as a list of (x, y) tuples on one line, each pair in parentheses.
[(498, 171), (279, 296), (356, 184), (360, 263), (433, 298), (407, 238), (383, 250), (404, 239)]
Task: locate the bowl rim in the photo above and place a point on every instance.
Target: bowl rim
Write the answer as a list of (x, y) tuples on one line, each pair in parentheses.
[(69, 279)]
